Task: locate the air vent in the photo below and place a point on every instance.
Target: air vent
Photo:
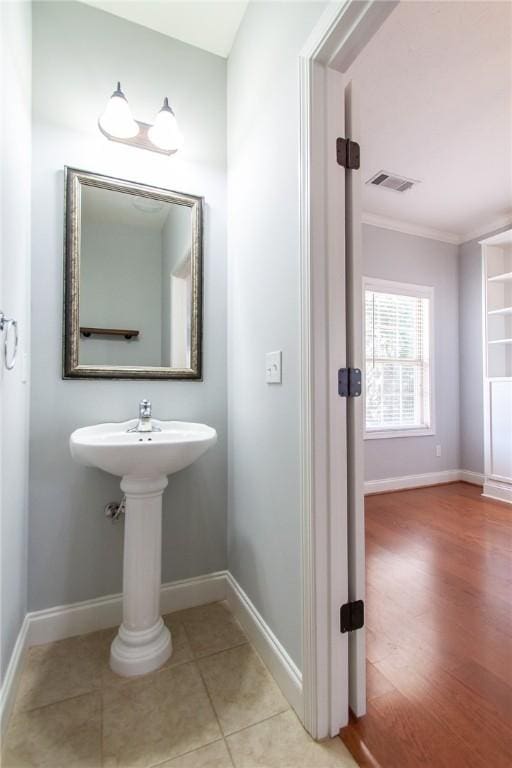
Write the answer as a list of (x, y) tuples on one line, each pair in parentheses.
[(392, 181)]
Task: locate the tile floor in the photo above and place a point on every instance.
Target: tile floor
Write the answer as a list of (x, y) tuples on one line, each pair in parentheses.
[(212, 705)]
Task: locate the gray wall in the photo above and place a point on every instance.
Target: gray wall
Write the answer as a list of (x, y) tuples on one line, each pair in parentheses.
[(471, 363), (79, 54), (263, 288), (409, 259), (120, 287), (15, 68)]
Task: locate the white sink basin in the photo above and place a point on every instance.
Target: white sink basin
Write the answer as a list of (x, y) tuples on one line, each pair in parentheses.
[(143, 459), (141, 454)]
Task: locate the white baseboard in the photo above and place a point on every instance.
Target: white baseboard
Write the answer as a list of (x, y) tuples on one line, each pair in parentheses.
[(12, 676), (64, 621), (475, 478), (284, 670), (199, 590), (103, 612), (496, 490), (411, 481), (419, 481)]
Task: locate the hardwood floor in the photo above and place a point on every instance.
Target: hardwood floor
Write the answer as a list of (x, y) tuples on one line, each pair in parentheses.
[(439, 631)]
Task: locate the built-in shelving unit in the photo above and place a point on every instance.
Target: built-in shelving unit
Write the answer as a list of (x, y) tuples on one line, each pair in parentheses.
[(497, 351)]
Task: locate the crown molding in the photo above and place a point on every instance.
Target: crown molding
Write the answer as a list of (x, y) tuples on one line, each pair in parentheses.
[(492, 226), (375, 220), (407, 228)]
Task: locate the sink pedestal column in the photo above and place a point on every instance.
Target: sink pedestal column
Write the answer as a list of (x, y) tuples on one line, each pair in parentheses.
[(143, 642)]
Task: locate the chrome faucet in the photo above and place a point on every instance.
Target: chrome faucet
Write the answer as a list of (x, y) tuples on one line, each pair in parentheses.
[(145, 423)]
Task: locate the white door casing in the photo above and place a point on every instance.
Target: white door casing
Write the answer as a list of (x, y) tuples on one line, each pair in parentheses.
[(355, 414), (341, 33), (317, 427)]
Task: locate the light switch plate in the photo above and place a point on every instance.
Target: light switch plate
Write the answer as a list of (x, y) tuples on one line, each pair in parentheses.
[(273, 367)]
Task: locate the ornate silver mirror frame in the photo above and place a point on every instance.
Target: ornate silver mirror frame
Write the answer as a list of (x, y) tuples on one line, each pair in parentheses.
[(74, 180)]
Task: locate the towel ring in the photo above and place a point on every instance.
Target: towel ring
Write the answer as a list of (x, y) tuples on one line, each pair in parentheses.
[(5, 324)]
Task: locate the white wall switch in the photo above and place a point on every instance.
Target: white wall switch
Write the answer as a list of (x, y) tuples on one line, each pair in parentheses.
[(438, 451), (273, 367)]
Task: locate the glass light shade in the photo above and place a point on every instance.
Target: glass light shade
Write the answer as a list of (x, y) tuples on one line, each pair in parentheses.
[(117, 118), (165, 133)]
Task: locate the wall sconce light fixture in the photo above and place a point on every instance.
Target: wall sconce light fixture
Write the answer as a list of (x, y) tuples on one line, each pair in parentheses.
[(118, 124)]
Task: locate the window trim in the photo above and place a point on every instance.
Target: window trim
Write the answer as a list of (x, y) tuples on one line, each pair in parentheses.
[(405, 289)]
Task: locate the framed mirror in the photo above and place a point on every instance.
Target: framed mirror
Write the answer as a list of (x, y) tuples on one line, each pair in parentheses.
[(133, 280)]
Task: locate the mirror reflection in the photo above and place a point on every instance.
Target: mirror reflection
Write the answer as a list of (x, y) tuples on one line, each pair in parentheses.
[(135, 281), (135, 273)]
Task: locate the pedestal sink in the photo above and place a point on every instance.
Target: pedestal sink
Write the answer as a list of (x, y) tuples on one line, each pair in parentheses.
[(143, 459)]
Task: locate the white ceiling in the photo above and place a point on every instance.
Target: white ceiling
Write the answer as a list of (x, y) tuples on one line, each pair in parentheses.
[(211, 25), (435, 93)]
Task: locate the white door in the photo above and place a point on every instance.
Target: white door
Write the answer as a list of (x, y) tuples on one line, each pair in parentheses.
[(333, 466), (338, 460), (355, 413)]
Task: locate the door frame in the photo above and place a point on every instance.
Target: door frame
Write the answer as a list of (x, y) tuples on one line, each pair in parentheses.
[(340, 35)]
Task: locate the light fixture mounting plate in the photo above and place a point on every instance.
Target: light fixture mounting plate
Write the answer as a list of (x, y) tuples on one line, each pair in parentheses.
[(141, 140)]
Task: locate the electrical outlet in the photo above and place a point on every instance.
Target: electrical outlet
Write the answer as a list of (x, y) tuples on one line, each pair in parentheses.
[(438, 451)]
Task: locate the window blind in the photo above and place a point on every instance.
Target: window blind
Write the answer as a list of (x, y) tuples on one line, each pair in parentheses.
[(397, 361)]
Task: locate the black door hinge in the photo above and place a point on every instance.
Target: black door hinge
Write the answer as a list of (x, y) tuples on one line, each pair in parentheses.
[(352, 616), (349, 382), (348, 154)]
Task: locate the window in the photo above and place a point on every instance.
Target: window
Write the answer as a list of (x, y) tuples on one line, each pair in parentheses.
[(398, 332)]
